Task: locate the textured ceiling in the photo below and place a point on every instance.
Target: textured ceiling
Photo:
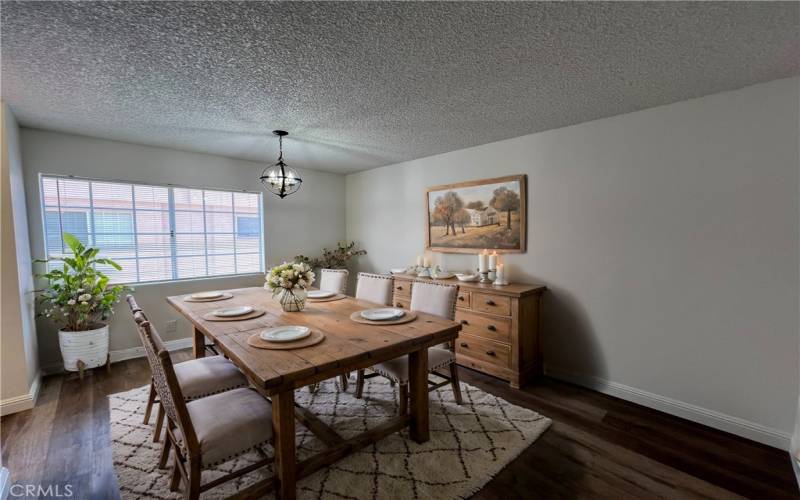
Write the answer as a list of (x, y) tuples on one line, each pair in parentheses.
[(361, 84)]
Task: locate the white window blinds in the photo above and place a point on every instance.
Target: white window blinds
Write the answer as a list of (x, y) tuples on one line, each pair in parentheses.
[(156, 233)]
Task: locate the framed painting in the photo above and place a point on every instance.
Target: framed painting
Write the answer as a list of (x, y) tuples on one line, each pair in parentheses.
[(468, 217)]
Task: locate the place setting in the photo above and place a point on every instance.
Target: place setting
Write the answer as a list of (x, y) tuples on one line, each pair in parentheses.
[(323, 296), (235, 313), (383, 316), (208, 296), (286, 337)]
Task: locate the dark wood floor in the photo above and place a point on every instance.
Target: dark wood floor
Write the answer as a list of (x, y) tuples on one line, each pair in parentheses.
[(597, 447)]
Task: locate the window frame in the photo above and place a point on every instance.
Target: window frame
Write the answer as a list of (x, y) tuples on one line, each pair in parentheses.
[(170, 211)]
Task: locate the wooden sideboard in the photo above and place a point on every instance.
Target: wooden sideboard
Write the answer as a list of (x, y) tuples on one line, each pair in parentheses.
[(499, 326)]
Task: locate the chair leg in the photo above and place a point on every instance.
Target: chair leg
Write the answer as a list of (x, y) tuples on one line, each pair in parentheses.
[(359, 384), (454, 382), (162, 462), (343, 381), (403, 398), (159, 423), (150, 400), (175, 480), (193, 488)]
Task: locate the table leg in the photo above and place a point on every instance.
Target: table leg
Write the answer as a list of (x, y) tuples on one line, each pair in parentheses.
[(418, 387), (199, 344), (283, 443)]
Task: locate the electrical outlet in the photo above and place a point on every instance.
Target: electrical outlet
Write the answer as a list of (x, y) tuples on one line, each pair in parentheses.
[(172, 326)]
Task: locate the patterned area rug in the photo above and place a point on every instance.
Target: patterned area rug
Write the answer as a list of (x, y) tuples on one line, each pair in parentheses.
[(469, 444)]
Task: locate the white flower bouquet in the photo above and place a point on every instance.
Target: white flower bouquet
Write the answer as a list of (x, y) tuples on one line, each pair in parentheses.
[(288, 283)]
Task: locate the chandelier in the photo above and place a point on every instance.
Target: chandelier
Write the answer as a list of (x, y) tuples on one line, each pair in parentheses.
[(280, 179)]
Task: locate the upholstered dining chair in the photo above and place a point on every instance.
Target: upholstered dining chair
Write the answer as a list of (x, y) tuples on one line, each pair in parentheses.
[(333, 280), (197, 378), (209, 431), (375, 288), (438, 300)]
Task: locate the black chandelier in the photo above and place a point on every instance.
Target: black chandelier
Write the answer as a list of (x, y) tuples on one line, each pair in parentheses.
[(280, 179)]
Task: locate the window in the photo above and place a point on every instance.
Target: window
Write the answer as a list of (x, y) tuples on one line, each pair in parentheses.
[(156, 233)]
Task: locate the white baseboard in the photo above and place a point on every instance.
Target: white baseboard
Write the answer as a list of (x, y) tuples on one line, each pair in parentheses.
[(123, 354), (24, 402), (711, 418)]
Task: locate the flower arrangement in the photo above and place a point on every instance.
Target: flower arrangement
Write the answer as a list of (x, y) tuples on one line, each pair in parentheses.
[(77, 296), (334, 259), (288, 283)]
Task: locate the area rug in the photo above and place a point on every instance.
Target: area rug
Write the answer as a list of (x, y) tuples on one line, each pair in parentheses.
[(469, 444)]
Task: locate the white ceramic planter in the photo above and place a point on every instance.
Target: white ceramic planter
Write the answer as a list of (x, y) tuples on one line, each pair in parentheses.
[(89, 346)]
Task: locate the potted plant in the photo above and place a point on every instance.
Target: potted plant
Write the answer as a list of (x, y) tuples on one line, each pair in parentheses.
[(288, 283), (334, 259), (79, 299)]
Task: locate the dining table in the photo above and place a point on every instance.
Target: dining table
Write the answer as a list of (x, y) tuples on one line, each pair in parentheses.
[(347, 346)]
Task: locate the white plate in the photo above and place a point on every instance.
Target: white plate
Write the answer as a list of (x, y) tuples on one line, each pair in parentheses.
[(206, 295), (285, 333), (397, 270), (229, 312), (382, 314), (320, 294), (467, 277), (443, 275)]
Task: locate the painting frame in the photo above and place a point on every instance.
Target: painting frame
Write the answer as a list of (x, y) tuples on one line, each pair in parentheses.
[(431, 244)]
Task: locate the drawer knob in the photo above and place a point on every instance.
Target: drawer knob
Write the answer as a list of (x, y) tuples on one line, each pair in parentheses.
[(399, 306), (491, 328), (489, 302), (490, 353), (399, 287), (464, 322), (464, 344), (461, 298)]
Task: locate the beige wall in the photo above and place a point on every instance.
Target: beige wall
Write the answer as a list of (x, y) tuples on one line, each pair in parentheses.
[(301, 223), (668, 239), (18, 347)]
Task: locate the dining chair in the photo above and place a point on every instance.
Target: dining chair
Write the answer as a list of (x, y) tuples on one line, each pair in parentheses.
[(198, 378), (334, 280), (206, 432), (375, 288), (431, 298)]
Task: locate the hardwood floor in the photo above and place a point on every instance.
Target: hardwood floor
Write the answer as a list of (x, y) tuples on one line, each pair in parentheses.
[(598, 446)]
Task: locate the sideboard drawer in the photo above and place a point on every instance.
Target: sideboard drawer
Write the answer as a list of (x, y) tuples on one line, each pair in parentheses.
[(492, 328), (402, 289), (402, 303), (463, 299), (494, 304), (484, 350)]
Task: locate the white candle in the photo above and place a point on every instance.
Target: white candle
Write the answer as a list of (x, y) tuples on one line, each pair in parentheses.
[(419, 260), (500, 275), (493, 260), (426, 262), (483, 259)]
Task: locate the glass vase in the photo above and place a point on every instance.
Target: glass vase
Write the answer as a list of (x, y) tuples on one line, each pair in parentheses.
[(293, 300)]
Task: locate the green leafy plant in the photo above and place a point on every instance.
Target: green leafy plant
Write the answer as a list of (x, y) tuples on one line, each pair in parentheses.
[(78, 296), (333, 259)]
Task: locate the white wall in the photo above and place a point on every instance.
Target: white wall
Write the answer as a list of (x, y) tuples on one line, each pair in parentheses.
[(668, 239), (302, 223), (19, 368)]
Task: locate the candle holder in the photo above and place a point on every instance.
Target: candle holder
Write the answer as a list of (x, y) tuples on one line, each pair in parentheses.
[(498, 282), (423, 272), (484, 277)]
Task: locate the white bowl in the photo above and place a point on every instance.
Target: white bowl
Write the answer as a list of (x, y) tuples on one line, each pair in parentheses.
[(443, 275), (230, 312), (397, 270), (285, 333), (382, 314), (467, 277)]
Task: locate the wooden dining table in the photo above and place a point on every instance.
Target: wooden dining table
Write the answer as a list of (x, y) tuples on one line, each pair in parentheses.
[(347, 347)]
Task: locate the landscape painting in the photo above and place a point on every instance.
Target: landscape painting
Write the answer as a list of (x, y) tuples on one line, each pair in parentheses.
[(471, 216)]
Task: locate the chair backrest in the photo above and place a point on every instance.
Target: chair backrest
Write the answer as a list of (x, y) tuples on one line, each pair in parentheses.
[(166, 384), (334, 280), (434, 298), (138, 313), (375, 288)]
